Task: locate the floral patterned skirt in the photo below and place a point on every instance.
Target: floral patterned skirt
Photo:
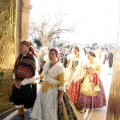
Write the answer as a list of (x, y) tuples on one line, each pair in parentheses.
[(98, 101), (73, 91), (67, 110)]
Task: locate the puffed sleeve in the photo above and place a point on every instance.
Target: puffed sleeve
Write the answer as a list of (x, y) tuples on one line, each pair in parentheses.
[(98, 68), (61, 80)]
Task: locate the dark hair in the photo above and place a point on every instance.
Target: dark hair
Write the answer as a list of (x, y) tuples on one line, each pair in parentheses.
[(92, 53), (77, 48), (29, 44), (32, 51)]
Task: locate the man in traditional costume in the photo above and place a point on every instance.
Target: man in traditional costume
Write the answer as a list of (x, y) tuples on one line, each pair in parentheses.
[(24, 88)]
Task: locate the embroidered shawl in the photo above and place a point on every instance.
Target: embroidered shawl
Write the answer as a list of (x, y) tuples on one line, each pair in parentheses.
[(79, 72), (25, 66)]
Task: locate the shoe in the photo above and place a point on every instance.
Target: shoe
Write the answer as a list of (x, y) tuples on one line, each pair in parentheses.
[(32, 118), (83, 110)]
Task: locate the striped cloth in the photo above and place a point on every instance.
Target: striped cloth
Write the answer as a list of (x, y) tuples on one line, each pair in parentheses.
[(24, 67)]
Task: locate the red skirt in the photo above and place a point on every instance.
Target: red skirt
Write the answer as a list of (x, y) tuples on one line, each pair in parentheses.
[(73, 91)]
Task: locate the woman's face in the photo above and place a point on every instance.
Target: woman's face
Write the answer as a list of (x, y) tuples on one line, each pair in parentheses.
[(75, 52), (24, 48), (52, 56), (89, 56)]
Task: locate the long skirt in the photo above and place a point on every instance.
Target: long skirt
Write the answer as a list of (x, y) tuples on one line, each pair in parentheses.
[(67, 110), (97, 101), (73, 91), (26, 95), (46, 107)]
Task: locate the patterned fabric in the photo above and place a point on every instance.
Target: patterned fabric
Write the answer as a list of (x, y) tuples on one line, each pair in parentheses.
[(73, 91), (74, 64), (46, 104), (74, 73), (44, 109), (66, 110), (92, 101), (25, 66), (95, 78), (77, 74), (88, 96), (87, 87)]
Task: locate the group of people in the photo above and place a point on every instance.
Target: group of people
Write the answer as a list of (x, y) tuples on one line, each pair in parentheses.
[(62, 89), (84, 86)]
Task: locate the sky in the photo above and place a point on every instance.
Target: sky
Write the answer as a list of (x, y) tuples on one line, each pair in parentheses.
[(94, 20)]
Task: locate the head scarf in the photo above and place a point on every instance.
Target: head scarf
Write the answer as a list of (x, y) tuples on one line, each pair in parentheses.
[(56, 52)]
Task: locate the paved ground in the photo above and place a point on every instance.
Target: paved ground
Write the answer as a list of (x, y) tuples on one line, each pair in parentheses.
[(96, 114), (13, 115)]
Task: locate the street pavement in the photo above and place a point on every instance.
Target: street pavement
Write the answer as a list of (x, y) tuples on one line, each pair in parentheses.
[(94, 114)]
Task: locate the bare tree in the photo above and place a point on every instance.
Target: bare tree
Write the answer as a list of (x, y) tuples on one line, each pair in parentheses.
[(47, 31)]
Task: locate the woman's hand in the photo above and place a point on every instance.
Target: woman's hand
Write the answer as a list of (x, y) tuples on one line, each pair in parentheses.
[(60, 100), (17, 84), (20, 84), (37, 77), (67, 87)]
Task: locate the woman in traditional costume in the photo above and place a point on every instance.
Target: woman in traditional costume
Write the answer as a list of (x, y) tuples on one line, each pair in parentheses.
[(52, 103), (74, 74), (24, 88), (91, 93)]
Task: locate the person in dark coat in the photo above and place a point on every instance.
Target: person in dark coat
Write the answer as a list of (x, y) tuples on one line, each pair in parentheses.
[(110, 58)]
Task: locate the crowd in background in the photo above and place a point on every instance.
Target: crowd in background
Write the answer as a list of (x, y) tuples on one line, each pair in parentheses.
[(74, 70), (77, 81), (104, 54)]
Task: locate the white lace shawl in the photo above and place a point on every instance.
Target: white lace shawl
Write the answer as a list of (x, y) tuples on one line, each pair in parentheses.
[(49, 74), (79, 72)]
